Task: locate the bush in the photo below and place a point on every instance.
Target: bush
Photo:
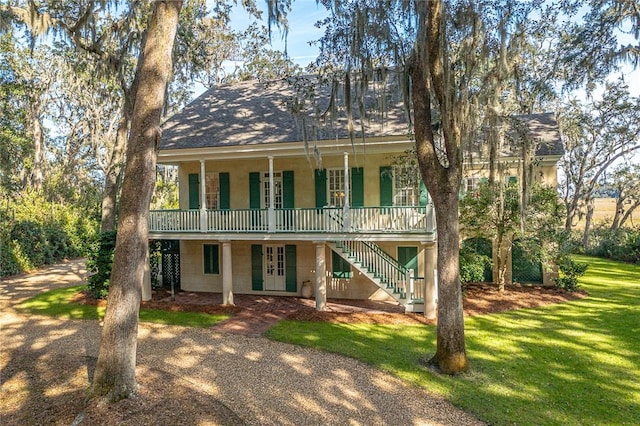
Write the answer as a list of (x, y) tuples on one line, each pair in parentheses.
[(99, 263), (472, 265), (29, 236), (621, 244), (570, 271), (34, 232)]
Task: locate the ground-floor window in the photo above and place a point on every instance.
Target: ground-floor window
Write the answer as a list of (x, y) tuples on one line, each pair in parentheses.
[(211, 258)]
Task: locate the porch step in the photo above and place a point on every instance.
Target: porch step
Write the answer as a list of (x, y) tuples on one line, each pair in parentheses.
[(414, 307)]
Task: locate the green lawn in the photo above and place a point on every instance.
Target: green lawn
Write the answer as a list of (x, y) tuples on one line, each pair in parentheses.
[(58, 303), (575, 363)]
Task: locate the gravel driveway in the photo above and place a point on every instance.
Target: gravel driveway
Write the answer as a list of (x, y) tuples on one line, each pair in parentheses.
[(255, 380)]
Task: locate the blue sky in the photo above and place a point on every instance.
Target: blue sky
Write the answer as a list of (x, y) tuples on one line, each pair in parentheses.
[(304, 14)]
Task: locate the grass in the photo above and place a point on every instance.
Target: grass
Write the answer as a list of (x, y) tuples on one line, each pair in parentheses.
[(58, 303), (575, 363)]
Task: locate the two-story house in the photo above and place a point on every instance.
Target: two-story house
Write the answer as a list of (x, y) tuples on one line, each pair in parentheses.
[(273, 204)]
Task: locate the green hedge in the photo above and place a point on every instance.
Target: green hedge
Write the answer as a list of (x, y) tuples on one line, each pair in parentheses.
[(35, 232)]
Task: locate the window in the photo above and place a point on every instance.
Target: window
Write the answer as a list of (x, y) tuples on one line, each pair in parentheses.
[(406, 187), (340, 267), (211, 258), (212, 191), (277, 189), (336, 187), (472, 184)]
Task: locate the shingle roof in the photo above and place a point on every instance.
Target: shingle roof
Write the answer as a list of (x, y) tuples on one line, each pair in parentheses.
[(543, 129), (253, 112)]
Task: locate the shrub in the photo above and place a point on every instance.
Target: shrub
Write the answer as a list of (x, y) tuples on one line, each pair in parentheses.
[(621, 244), (570, 271), (472, 265), (30, 237), (99, 264), (35, 231)]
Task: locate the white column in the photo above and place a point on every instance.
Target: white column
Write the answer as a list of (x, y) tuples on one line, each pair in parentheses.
[(430, 280), (272, 198), (227, 274), (346, 218), (203, 197), (321, 277), (146, 279)]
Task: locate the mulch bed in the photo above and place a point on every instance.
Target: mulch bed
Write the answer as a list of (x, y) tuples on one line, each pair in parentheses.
[(478, 299)]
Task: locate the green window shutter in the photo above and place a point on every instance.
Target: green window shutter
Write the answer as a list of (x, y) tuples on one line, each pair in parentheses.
[(357, 187), (290, 268), (512, 180), (340, 268), (408, 257), (225, 192), (194, 191), (424, 194), (256, 267), (463, 188), (254, 190), (211, 259), (287, 190), (321, 187), (386, 186)]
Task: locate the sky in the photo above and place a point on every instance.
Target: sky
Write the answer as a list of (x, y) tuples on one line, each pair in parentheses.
[(305, 13)]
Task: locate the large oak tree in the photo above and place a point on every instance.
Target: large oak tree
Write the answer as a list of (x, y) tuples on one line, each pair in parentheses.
[(114, 376)]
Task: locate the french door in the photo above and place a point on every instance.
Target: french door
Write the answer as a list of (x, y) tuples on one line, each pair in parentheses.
[(274, 268)]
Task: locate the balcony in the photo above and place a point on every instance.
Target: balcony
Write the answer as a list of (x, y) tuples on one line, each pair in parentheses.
[(328, 220)]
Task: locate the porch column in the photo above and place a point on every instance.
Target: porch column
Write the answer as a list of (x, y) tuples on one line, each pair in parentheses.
[(203, 197), (227, 274), (430, 279), (346, 218), (146, 279), (321, 277), (272, 198)]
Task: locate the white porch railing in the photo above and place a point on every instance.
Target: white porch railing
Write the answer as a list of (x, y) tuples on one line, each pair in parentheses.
[(322, 220)]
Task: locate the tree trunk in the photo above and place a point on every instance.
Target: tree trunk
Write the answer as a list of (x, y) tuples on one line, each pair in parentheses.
[(37, 176), (572, 208), (615, 224), (114, 377), (430, 72), (587, 225), (502, 257), (450, 356), (627, 214), (112, 178)]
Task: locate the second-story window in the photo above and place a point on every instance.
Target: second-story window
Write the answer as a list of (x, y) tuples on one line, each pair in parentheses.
[(212, 188), (277, 190), (472, 184), (406, 189), (335, 184)]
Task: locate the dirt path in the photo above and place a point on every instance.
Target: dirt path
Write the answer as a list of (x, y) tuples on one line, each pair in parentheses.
[(190, 376)]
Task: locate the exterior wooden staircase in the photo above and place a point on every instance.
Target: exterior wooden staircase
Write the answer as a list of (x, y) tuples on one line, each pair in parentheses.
[(383, 270)]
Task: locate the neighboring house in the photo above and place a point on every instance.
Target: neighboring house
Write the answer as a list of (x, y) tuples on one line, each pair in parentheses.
[(272, 203)]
